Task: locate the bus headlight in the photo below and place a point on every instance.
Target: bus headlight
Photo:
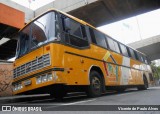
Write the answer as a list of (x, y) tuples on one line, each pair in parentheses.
[(49, 77), (38, 80), (17, 87), (44, 78)]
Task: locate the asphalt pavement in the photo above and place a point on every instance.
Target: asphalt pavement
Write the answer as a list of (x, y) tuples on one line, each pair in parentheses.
[(79, 100)]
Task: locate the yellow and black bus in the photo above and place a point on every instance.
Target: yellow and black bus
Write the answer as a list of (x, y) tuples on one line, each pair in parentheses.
[(58, 53)]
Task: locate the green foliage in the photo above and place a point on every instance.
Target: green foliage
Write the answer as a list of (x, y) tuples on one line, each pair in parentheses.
[(156, 70)]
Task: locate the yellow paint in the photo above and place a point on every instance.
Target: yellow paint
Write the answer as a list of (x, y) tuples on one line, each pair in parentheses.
[(106, 56)]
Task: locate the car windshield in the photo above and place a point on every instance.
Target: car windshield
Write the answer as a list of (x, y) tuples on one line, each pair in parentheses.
[(39, 32)]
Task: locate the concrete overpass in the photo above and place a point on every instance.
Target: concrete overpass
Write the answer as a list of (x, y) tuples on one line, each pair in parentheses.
[(101, 12), (149, 46), (95, 12)]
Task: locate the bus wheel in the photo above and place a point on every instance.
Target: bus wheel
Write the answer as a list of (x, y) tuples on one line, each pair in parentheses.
[(95, 87), (145, 86)]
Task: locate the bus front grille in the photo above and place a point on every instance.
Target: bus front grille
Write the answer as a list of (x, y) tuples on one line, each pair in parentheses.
[(36, 64)]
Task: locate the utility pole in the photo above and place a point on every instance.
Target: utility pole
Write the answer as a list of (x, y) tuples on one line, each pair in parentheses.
[(29, 1), (138, 28)]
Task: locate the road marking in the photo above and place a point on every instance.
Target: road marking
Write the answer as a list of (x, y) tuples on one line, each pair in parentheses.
[(65, 104), (124, 94), (129, 92), (34, 101), (79, 102), (24, 96), (154, 87)]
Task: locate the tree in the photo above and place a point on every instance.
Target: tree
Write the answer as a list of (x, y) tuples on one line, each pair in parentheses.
[(156, 70)]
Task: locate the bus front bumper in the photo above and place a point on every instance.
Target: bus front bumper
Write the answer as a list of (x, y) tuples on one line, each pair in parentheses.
[(35, 83)]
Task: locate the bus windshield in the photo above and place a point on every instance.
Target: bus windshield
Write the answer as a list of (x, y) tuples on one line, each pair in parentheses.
[(38, 32)]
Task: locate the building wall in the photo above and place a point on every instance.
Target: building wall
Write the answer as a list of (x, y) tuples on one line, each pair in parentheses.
[(11, 16), (29, 14), (6, 75)]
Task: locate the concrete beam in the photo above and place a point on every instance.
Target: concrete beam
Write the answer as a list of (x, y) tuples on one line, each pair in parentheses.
[(64, 5), (145, 42), (155, 56), (43, 8), (149, 46)]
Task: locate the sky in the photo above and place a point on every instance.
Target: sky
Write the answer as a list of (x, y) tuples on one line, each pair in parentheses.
[(32, 4), (127, 31)]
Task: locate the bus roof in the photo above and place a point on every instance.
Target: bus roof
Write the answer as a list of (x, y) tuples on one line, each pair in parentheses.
[(78, 20)]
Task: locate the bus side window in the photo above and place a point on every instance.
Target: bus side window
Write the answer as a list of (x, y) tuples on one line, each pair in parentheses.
[(132, 54), (111, 44), (136, 55), (92, 36), (124, 50), (116, 46), (72, 27), (98, 38), (145, 59), (76, 31), (84, 32), (141, 57)]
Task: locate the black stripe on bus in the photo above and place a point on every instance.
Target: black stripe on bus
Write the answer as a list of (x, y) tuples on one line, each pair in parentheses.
[(101, 60)]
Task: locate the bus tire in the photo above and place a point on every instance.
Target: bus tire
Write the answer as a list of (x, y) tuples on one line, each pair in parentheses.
[(145, 86), (95, 87)]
